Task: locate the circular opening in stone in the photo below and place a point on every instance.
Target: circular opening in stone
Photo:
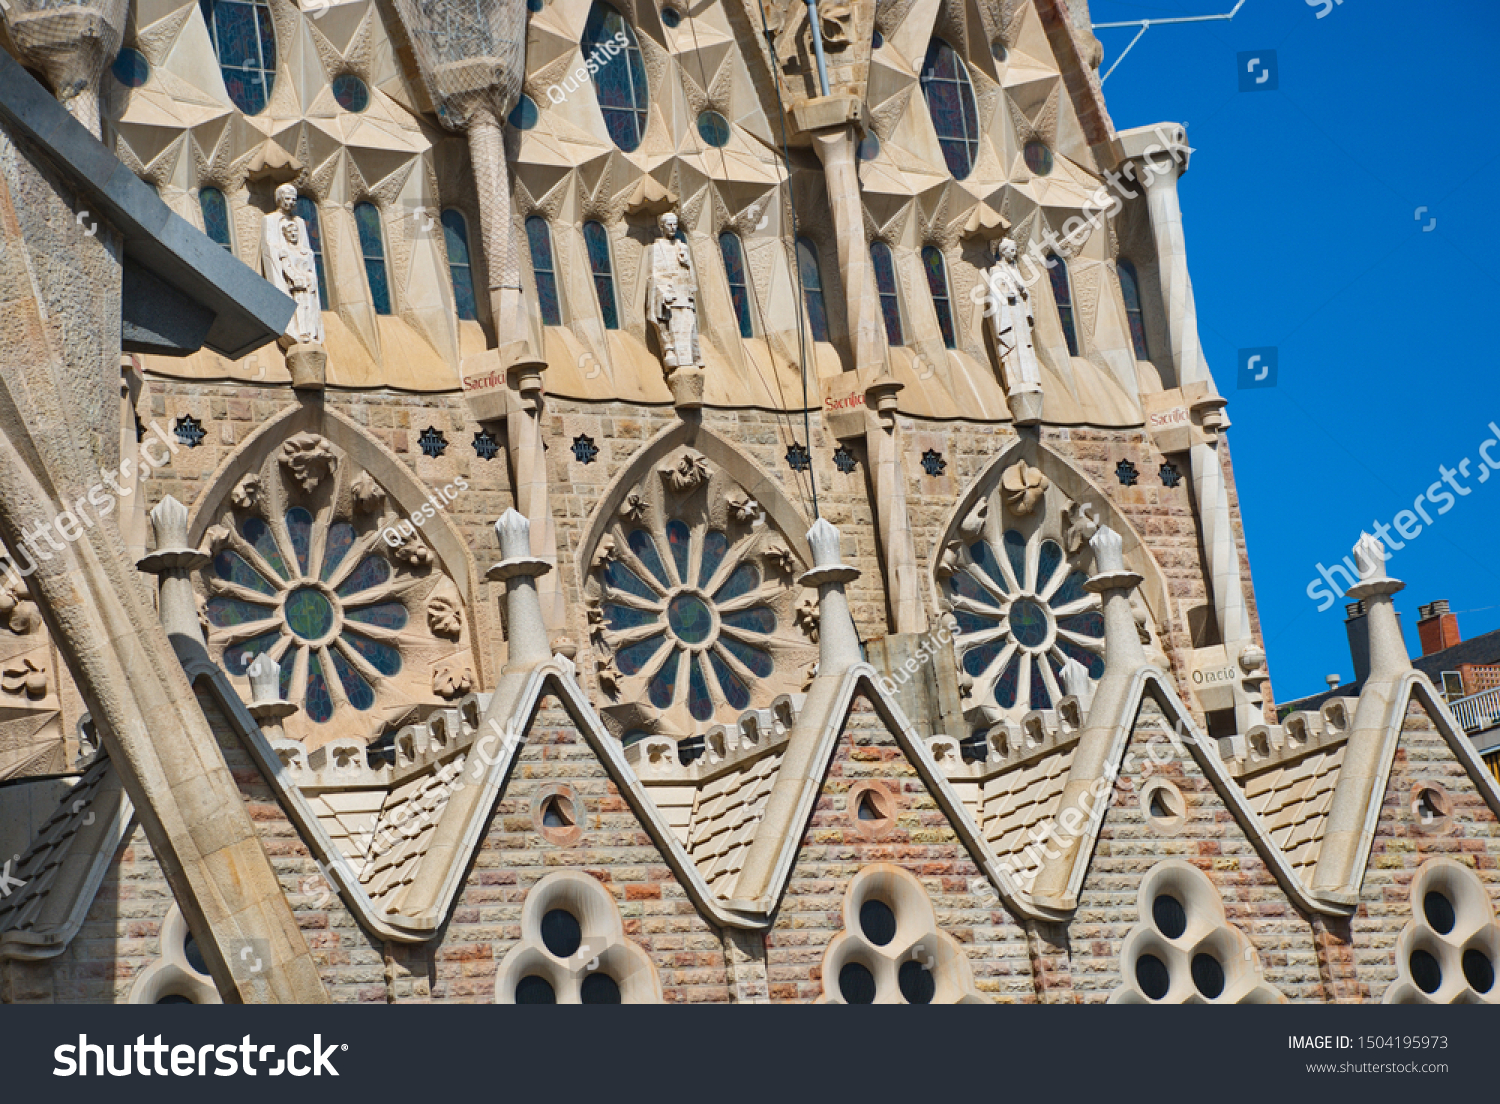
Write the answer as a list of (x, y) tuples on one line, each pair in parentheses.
[(714, 129), (1426, 972), (1479, 971), (997, 50), (857, 984), (916, 983), (1208, 975), (308, 613), (561, 933), (671, 17), (535, 990), (599, 989), (351, 93), (1439, 912), (1169, 915), (878, 921), (131, 68), (690, 618), (1151, 975), (1028, 623), (869, 146), (1038, 158), (525, 115)]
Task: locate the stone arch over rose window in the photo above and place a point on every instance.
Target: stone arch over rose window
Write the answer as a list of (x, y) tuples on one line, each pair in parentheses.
[(311, 565), (1009, 578), (694, 612)]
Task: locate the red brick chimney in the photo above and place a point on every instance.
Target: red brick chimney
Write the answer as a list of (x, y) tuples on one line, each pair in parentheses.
[(1437, 628)]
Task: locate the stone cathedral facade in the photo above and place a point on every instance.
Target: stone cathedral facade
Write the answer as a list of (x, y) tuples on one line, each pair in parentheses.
[(623, 501)]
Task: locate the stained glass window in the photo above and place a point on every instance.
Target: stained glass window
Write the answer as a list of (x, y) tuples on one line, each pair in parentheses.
[(539, 237), (885, 283), (620, 78), (596, 241), (1130, 289), (937, 280), (811, 275), (460, 270), (1062, 293), (739, 281), (215, 216), (372, 246), (244, 40), (1038, 157), (131, 69), (351, 93), (307, 211), (713, 128), (525, 116), (950, 102)]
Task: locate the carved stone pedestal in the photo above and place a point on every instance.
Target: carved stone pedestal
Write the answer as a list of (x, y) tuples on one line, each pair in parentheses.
[(308, 365), (687, 387), (1026, 407)]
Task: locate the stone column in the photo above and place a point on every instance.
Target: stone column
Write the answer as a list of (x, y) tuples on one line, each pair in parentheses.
[(266, 703), (528, 456), (71, 45), (838, 642), (170, 563), (883, 446), (525, 632), (1157, 157), (502, 258)]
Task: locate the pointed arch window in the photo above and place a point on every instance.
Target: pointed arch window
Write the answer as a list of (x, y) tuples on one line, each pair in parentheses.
[(596, 241), (1062, 294), (460, 268), (619, 75), (215, 210), (307, 211), (539, 237), (950, 102), (811, 275), (244, 41), (372, 248), (1130, 289), (739, 281), (890, 300), (942, 298)]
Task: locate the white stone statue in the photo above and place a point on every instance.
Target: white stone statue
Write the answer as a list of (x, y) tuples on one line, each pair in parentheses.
[(1010, 314), (672, 297), (286, 258)]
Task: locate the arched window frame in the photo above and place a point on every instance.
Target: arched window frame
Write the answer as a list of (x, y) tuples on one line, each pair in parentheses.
[(243, 25), (619, 78), (213, 205), (737, 273), (1062, 295), (810, 275), (936, 267), (307, 211), (883, 260), (951, 105), (1135, 317), (371, 230), (602, 267), (544, 269)]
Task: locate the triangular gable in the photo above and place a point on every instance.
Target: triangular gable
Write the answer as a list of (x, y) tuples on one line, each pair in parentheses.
[(402, 879), (1097, 766), (1378, 732), (62, 870)]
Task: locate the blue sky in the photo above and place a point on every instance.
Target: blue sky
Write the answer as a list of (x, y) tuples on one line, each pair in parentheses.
[(1303, 233)]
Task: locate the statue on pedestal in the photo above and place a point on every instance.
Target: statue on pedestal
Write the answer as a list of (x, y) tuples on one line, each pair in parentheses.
[(1010, 314), (672, 298), (287, 261)]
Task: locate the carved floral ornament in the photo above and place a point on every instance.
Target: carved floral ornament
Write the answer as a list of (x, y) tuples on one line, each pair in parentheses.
[(366, 627), (691, 602), (1011, 575)]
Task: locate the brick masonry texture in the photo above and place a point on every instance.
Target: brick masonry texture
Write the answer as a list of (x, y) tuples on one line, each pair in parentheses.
[(833, 850), (1209, 838)]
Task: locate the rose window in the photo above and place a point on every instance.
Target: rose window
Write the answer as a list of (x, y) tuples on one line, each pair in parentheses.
[(694, 612), (1022, 614), (316, 567), (694, 624), (330, 620)]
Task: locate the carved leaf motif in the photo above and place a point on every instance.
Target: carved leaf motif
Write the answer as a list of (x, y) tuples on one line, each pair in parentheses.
[(807, 618), (1024, 487), (634, 507), (1081, 523), (25, 676), (368, 497), (452, 679), (410, 550), (445, 615), (247, 492), (308, 459)]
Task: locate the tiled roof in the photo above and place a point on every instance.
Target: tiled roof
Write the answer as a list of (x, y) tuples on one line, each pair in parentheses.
[(1016, 801), (1292, 796), (725, 816), (66, 859)]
